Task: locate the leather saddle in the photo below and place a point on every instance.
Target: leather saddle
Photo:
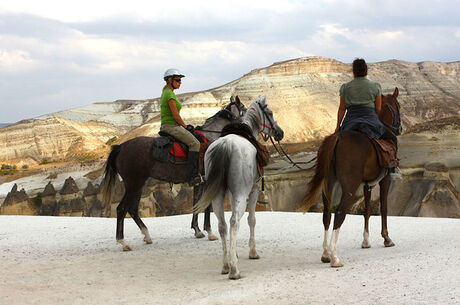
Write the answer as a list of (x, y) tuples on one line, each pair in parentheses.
[(166, 148)]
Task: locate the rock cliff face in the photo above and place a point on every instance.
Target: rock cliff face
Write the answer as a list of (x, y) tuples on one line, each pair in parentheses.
[(302, 92)]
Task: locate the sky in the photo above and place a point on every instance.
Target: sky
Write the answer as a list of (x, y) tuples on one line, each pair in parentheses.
[(57, 55)]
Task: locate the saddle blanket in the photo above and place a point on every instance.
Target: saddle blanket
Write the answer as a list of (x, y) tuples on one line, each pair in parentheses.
[(386, 152)]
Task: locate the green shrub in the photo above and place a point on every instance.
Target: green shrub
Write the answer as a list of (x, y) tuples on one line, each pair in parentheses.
[(25, 166), (111, 141), (44, 161)]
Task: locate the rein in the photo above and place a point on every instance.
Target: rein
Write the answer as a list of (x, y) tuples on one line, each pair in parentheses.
[(266, 137), (395, 126)]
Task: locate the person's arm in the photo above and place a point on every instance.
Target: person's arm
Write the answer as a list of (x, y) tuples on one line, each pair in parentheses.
[(378, 104), (175, 113), (340, 113)]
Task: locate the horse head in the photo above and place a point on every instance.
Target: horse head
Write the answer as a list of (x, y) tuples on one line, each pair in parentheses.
[(390, 112), (268, 125)]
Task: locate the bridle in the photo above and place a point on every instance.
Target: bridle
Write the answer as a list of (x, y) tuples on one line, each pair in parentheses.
[(265, 117), (395, 126)]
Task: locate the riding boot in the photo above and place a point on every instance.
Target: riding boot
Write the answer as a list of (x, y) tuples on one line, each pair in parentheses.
[(395, 173), (191, 171)]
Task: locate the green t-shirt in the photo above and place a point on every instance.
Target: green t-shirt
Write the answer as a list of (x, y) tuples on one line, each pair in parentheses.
[(166, 114), (361, 91)]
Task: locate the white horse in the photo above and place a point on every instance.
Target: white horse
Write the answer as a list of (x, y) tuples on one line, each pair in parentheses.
[(230, 164)]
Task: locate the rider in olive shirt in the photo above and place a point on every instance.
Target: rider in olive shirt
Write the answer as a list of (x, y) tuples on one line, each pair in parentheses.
[(361, 99), (172, 123)]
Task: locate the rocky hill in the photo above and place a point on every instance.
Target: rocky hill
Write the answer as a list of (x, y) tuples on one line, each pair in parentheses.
[(302, 92)]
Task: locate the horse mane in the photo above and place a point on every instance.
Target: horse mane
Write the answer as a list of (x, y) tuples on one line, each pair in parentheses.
[(222, 114), (251, 119)]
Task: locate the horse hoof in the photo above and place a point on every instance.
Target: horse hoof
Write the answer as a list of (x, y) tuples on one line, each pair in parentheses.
[(325, 259), (213, 237), (127, 248), (365, 245), (234, 276), (253, 255), (337, 264), (199, 234), (147, 241), (389, 244), (225, 270)]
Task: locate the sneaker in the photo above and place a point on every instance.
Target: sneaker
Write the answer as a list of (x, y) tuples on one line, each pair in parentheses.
[(263, 198), (395, 174)]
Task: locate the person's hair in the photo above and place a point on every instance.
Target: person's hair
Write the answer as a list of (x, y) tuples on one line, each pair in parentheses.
[(166, 80), (359, 67)]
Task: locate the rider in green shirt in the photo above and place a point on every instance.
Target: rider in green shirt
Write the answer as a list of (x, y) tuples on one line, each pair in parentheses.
[(172, 123)]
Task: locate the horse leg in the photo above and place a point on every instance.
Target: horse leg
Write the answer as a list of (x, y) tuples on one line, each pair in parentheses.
[(130, 199), (326, 222), (207, 223), (197, 192), (348, 194), (238, 209), (367, 214), (218, 207), (252, 222), (121, 213), (384, 188), (134, 212)]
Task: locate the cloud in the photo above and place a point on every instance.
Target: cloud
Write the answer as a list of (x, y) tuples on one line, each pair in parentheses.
[(55, 55)]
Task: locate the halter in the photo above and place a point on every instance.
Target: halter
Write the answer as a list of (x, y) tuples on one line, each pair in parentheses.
[(265, 116), (395, 126)]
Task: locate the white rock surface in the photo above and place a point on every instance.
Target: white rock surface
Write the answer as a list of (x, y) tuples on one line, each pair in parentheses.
[(62, 260)]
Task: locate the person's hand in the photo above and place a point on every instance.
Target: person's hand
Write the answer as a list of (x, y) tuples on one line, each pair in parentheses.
[(190, 127)]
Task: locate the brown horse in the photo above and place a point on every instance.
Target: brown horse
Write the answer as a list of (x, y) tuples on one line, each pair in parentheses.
[(133, 162), (349, 159)]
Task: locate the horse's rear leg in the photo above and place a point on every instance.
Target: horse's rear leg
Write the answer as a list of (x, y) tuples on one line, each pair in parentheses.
[(197, 192), (121, 213), (238, 208), (384, 188), (218, 207), (134, 212), (326, 222), (207, 223), (367, 214), (252, 222), (129, 201), (348, 195)]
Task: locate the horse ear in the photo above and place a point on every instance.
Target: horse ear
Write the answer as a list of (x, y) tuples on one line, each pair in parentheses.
[(396, 92), (232, 99), (237, 100)]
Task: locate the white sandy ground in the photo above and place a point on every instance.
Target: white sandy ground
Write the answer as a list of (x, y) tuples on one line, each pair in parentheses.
[(63, 260)]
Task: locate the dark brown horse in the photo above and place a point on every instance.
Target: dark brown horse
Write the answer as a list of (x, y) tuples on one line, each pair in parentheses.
[(348, 158), (133, 162)]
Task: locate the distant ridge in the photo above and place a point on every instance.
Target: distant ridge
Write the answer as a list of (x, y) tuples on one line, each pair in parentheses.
[(4, 124)]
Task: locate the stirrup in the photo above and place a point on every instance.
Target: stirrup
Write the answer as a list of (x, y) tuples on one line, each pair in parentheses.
[(395, 174), (196, 181), (262, 198)]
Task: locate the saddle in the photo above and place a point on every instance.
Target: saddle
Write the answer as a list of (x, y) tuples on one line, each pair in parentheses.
[(166, 148), (243, 130), (386, 152)]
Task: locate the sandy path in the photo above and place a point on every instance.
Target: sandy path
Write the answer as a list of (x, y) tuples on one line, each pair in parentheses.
[(61, 260)]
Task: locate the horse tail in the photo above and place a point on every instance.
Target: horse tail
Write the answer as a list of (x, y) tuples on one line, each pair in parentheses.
[(319, 180), (110, 174), (218, 158)]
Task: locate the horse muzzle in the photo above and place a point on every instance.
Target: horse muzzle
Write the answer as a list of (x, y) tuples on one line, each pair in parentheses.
[(278, 133)]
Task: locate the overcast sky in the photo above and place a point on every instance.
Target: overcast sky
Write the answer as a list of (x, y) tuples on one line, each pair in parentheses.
[(57, 55)]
